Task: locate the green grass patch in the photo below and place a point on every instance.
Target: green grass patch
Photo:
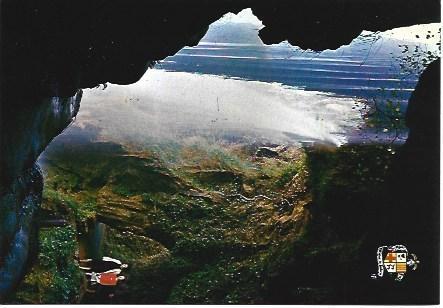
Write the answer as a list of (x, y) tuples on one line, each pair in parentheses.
[(55, 278)]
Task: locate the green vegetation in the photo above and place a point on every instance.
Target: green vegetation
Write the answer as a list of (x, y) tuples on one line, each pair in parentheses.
[(349, 192), (210, 224), (57, 200), (348, 185), (385, 113), (55, 278)]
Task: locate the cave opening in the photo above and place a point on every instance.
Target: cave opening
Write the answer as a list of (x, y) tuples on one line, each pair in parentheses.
[(230, 173)]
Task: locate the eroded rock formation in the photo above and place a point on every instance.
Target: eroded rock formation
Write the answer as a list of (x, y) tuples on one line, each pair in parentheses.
[(50, 50), (31, 128)]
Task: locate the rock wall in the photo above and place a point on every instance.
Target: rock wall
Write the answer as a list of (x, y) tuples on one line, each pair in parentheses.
[(22, 181), (18, 204), (30, 127), (50, 50)]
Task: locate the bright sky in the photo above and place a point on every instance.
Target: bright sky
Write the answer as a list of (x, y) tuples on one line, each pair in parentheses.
[(411, 33), (244, 16), (403, 33)]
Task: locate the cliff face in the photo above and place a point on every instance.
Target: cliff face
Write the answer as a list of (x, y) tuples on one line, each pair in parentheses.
[(18, 204), (34, 127), (51, 50), (30, 127), (415, 182)]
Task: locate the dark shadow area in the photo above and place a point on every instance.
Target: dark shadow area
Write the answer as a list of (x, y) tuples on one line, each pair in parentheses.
[(363, 198), (51, 50)]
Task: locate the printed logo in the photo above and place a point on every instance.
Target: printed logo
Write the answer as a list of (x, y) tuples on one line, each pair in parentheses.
[(395, 260)]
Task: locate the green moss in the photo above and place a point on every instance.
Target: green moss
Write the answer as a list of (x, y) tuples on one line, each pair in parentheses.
[(152, 271), (288, 172), (195, 239), (230, 281), (56, 278), (191, 239), (350, 168), (83, 208), (276, 173)]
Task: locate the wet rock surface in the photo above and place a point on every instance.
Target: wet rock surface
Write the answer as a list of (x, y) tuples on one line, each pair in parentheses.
[(214, 242), (17, 232), (55, 49), (21, 190), (176, 236), (266, 152)]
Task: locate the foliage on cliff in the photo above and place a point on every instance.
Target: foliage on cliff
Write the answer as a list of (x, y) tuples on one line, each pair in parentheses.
[(220, 223)]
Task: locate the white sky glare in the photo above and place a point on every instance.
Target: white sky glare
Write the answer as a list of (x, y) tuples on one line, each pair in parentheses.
[(427, 33), (404, 33), (244, 16)]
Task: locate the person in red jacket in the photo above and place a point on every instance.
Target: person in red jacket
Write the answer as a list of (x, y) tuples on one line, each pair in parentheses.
[(109, 278)]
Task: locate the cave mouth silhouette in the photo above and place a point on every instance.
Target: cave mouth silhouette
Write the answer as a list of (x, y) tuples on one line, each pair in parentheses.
[(62, 70), (247, 37)]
